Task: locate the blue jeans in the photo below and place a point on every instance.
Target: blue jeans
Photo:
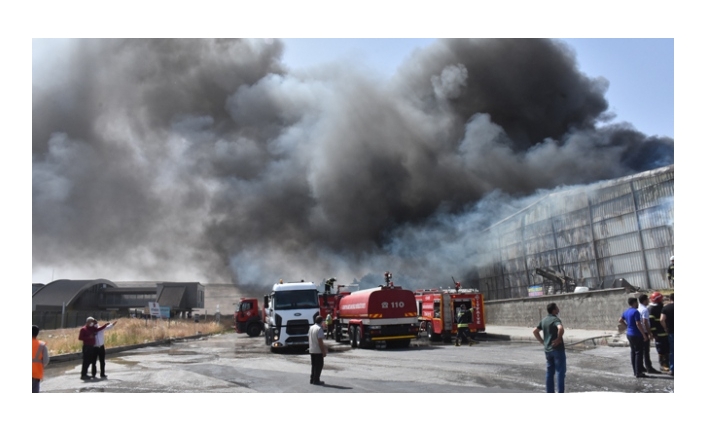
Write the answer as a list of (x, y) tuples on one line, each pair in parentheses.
[(556, 364), (671, 352)]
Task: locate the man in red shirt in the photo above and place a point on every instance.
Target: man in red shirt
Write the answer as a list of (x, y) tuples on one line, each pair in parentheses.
[(87, 334)]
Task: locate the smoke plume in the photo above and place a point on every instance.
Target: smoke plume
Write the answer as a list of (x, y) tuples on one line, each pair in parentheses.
[(208, 160)]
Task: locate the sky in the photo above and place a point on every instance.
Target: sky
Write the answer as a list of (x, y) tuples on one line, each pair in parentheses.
[(640, 70)]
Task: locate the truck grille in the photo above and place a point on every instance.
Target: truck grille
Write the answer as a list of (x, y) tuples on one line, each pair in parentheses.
[(297, 340), (297, 327)]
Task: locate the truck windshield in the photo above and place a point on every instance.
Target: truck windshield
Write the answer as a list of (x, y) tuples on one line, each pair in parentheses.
[(292, 299)]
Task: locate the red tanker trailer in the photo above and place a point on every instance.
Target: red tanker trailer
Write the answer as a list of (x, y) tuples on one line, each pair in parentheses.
[(386, 314)]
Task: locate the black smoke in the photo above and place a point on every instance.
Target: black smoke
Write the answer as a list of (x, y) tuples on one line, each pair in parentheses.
[(209, 160)]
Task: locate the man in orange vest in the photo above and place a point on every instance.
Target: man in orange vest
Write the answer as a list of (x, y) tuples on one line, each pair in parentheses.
[(40, 359)]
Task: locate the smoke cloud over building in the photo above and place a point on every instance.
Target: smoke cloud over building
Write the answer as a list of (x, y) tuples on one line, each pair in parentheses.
[(208, 160)]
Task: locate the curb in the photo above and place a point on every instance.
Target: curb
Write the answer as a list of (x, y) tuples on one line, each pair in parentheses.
[(615, 340)]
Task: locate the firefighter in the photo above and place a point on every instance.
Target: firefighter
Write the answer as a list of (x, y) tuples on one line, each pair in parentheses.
[(329, 325), (659, 334), (670, 272), (463, 318), (329, 285)]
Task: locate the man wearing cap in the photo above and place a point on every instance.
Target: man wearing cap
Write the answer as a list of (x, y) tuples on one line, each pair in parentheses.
[(40, 359), (87, 334)]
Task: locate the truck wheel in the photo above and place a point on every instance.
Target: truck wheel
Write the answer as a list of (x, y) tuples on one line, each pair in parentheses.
[(337, 333), (354, 337), (254, 330), (430, 333)]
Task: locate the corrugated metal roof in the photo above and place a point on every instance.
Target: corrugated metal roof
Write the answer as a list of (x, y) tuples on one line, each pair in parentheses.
[(171, 296), (59, 292)]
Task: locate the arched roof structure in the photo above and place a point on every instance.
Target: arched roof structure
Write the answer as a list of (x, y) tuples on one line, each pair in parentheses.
[(64, 292)]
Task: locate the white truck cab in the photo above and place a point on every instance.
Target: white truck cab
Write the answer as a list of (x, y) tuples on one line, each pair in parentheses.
[(290, 310)]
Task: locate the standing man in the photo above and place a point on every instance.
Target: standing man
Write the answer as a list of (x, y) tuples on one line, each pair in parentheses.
[(553, 339), (99, 353), (317, 350), (637, 335), (463, 318), (87, 334), (670, 272), (667, 321), (40, 359), (659, 334), (647, 367)]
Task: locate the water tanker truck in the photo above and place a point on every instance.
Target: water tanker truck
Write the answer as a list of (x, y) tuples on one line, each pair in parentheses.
[(385, 315)]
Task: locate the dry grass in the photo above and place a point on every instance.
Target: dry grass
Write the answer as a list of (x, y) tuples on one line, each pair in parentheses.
[(129, 332)]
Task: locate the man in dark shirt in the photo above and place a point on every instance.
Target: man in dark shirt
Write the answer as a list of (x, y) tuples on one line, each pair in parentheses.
[(553, 339), (87, 334), (666, 318)]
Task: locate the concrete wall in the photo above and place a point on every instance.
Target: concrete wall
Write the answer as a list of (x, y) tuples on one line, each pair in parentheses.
[(598, 310)]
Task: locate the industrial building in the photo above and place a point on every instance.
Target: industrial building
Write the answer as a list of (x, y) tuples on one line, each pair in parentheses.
[(118, 297), (616, 233)]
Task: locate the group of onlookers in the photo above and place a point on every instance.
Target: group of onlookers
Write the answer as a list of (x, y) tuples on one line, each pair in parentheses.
[(93, 352), (647, 319)]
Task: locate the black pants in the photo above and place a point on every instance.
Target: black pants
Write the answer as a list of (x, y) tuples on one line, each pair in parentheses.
[(317, 365), (89, 353), (99, 356), (637, 350), (463, 335), (646, 355)]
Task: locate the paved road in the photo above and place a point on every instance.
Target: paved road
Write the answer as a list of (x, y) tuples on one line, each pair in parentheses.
[(238, 363)]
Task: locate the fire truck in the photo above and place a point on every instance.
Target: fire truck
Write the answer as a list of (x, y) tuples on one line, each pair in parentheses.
[(385, 315), (248, 318), (438, 308)]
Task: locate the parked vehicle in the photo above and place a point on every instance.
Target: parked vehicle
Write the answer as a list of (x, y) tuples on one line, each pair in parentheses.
[(248, 317), (438, 308), (289, 311), (385, 315)]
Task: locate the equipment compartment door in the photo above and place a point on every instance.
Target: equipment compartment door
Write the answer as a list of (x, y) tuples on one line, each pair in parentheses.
[(447, 311)]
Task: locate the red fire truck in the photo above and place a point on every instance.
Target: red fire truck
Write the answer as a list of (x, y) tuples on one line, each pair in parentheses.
[(437, 309), (247, 317)]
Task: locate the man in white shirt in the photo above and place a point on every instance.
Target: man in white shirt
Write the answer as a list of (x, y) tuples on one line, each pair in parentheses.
[(317, 350), (99, 352), (643, 301)]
